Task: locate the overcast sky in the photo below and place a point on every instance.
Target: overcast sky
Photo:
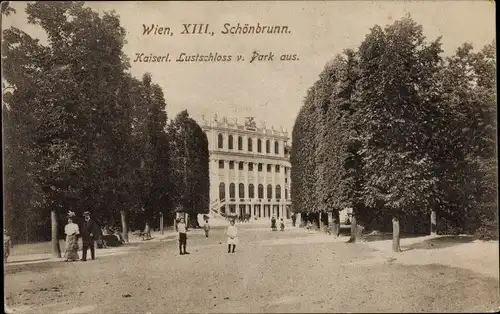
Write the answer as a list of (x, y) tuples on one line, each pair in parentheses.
[(271, 91)]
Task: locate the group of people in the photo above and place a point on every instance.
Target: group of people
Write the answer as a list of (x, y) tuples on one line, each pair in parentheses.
[(231, 233), (89, 233), (240, 218), (273, 224)]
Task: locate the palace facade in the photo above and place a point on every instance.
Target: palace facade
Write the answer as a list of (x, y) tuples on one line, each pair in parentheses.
[(249, 169)]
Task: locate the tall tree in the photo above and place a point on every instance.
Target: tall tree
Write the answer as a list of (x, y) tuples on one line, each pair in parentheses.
[(189, 164), (397, 71), (67, 93), (150, 155), (465, 150), (302, 157)]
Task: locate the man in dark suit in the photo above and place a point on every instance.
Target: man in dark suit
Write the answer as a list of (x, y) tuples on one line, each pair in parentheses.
[(90, 231)]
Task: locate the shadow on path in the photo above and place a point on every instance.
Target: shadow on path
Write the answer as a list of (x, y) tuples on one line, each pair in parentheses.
[(439, 243)]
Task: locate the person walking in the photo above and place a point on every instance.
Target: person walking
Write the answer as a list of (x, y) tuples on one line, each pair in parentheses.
[(90, 231), (72, 231), (206, 227), (232, 237), (182, 229), (294, 219), (273, 224)]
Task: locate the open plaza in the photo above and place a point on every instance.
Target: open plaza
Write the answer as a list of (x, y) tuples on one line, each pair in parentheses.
[(291, 271)]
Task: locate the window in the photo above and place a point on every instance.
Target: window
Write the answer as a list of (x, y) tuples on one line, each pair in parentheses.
[(261, 191), (250, 166), (268, 168), (286, 193), (260, 167), (286, 170), (232, 190), (221, 141), (222, 191), (269, 191), (286, 180), (221, 164), (240, 143), (231, 165), (268, 147), (259, 146), (250, 142), (251, 192), (277, 168), (240, 165), (276, 147), (278, 192), (241, 190), (230, 142)]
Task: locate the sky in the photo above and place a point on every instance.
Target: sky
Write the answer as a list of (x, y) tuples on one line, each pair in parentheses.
[(270, 91)]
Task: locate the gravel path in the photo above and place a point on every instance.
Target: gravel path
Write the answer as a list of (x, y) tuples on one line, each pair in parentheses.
[(290, 271)]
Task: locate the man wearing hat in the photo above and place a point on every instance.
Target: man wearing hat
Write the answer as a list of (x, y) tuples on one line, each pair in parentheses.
[(90, 232)]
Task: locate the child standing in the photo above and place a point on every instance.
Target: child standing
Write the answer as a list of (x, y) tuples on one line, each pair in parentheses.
[(181, 228), (206, 227), (282, 225), (232, 237)]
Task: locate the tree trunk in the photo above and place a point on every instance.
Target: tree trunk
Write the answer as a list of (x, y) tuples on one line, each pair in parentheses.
[(193, 221), (123, 215), (356, 230), (147, 230), (352, 239), (395, 235), (433, 223), (335, 224), (56, 250), (161, 223), (321, 224)]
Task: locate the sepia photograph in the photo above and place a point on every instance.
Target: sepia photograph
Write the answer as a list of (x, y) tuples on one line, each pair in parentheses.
[(249, 157)]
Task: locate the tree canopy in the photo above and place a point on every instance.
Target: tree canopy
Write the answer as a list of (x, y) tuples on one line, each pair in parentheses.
[(394, 129), (81, 133)]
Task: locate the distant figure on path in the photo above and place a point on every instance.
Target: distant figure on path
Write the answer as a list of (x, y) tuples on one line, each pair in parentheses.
[(181, 228), (273, 224), (294, 219), (206, 227), (7, 244), (232, 237), (282, 225), (90, 231), (72, 231)]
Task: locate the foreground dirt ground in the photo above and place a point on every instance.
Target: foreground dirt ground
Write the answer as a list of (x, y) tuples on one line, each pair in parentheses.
[(290, 271)]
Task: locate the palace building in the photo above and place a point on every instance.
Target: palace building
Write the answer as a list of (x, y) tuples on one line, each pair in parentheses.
[(249, 169)]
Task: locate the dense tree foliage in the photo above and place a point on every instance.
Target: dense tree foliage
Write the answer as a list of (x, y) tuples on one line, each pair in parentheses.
[(190, 164), (302, 158), (394, 131), (465, 157), (80, 133)]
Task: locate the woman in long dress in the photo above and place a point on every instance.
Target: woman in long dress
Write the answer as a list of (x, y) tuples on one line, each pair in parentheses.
[(232, 237), (72, 231)]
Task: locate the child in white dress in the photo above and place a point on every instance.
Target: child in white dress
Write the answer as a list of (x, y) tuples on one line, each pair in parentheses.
[(232, 237)]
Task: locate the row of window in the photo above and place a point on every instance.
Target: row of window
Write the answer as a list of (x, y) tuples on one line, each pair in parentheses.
[(251, 191), (220, 144), (241, 166)]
